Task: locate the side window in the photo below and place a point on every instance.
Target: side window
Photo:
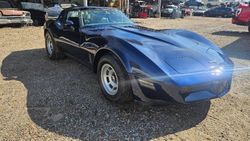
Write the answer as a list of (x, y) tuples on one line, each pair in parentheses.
[(74, 17), (72, 14), (60, 18)]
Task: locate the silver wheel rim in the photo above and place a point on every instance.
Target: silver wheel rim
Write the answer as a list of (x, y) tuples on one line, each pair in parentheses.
[(50, 46), (109, 79)]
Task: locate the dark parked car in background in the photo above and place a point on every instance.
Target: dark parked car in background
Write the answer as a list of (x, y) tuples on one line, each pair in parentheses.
[(199, 11), (172, 11), (37, 16), (134, 62), (220, 11), (10, 15)]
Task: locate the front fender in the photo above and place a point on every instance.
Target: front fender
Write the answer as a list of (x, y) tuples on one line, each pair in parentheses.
[(136, 64), (132, 59)]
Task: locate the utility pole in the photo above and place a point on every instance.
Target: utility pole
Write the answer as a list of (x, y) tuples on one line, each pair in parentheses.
[(159, 8), (85, 3), (127, 8)]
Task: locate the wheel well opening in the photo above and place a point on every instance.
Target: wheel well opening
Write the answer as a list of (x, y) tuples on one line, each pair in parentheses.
[(98, 57), (103, 52), (45, 31)]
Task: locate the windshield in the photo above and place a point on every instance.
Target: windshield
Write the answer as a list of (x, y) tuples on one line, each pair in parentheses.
[(103, 17)]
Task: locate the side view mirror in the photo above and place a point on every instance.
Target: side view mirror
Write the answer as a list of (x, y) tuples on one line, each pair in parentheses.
[(69, 26)]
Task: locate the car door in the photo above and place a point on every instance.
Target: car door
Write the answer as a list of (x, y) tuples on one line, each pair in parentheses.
[(216, 12), (222, 11), (90, 39), (70, 36)]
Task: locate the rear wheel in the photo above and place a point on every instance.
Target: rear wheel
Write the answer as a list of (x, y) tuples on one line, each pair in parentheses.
[(113, 80), (53, 51)]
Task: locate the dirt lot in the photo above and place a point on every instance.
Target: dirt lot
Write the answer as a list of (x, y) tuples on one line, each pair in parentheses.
[(60, 100)]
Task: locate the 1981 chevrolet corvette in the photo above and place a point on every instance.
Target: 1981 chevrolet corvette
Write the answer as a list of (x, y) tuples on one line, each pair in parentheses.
[(134, 62)]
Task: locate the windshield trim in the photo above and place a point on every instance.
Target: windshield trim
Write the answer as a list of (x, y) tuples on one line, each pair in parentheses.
[(106, 24), (130, 22)]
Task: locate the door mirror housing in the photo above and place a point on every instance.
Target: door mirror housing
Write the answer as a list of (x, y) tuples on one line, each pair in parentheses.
[(69, 26)]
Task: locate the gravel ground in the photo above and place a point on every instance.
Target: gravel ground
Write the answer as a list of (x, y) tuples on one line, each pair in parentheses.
[(60, 100)]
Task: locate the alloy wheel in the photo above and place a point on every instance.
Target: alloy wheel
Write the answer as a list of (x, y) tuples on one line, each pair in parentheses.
[(109, 79), (50, 46)]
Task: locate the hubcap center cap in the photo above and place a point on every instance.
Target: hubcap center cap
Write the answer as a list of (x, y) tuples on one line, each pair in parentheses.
[(112, 78)]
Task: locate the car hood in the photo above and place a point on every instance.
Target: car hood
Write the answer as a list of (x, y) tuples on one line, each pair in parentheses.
[(184, 51), (12, 12)]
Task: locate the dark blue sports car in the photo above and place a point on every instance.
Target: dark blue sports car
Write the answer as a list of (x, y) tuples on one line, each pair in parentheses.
[(134, 62), (220, 11)]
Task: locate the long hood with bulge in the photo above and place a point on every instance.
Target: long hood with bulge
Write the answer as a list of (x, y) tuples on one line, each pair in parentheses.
[(184, 51)]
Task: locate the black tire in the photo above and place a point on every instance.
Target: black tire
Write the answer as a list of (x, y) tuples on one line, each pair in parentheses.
[(56, 52), (124, 93), (249, 28)]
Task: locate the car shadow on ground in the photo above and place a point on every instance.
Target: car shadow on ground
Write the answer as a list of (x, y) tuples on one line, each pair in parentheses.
[(239, 49), (64, 97), (231, 33)]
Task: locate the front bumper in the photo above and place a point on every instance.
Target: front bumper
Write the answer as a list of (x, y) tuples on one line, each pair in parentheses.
[(151, 90), (5, 20)]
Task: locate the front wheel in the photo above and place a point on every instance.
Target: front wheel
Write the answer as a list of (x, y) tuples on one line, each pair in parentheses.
[(113, 80)]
